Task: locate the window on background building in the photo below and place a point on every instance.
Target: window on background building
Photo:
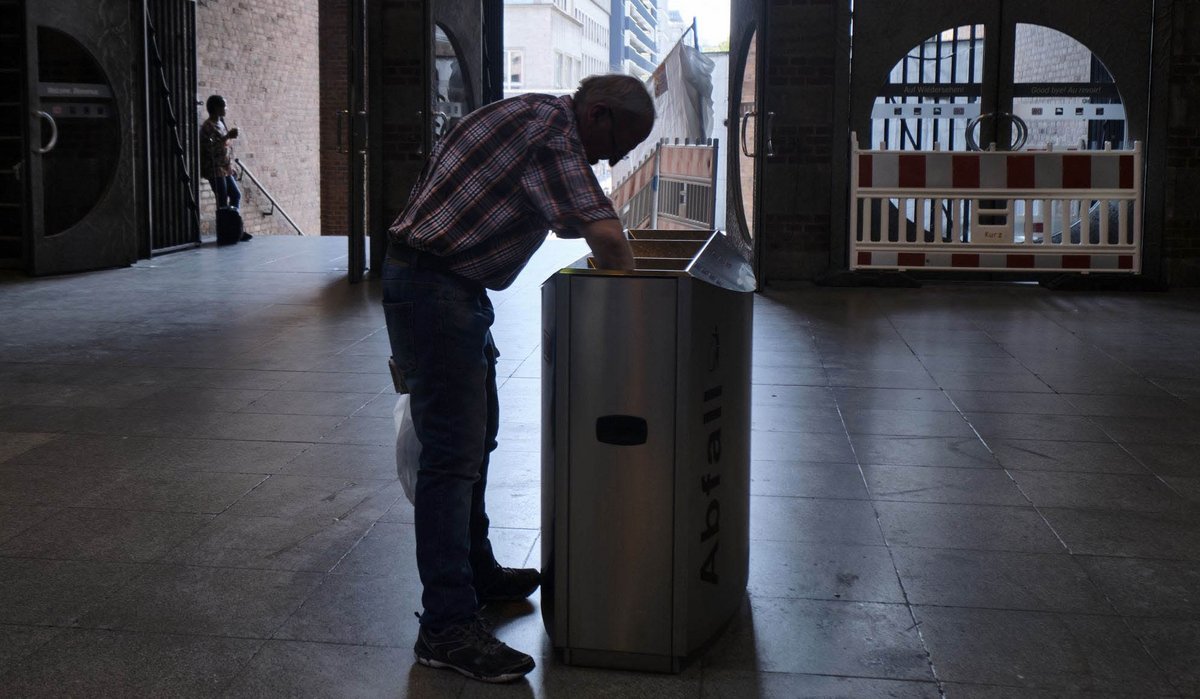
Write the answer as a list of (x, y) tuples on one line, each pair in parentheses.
[(559, 79), (514, 73)]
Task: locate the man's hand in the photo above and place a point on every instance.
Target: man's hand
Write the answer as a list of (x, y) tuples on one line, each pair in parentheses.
[(607, 240), (233, 133)]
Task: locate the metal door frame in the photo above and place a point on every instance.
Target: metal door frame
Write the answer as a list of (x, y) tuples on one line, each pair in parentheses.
[(357, 89)]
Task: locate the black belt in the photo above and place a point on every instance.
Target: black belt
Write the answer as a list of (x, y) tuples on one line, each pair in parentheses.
[(419, 259)]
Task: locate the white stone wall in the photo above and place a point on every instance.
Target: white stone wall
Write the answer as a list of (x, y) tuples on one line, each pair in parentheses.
[(596, 16), (262, 56), (1045, 55), (544, 30), (527, 28)]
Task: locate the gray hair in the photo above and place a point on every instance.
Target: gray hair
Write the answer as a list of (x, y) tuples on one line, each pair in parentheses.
[(624, 92)]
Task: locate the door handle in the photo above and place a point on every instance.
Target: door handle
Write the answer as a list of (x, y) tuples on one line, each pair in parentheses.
[(341, 114), (362, 127), (770, 134), (745, 125), (420, 151), (53, 134)]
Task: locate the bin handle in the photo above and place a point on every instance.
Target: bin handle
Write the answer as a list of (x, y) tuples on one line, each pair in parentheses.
[(621, 430)]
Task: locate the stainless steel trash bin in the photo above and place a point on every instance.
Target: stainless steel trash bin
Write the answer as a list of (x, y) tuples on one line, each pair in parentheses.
[(646, 451)]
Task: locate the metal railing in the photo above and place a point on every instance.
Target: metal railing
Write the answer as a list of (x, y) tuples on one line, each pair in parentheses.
[(274, 204), (1029, 211), (674, 187)]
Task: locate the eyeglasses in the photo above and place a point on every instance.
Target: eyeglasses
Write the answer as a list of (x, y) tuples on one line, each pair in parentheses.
[(613, 158)]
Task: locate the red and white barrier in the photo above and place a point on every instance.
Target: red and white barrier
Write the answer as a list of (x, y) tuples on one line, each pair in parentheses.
[(1073, 211)]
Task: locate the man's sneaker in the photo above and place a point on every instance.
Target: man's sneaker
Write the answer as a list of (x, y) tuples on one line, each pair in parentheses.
[(471, 649), (508, 585)]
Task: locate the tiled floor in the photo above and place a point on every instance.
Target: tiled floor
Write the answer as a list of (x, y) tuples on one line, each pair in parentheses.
[(960, 490)]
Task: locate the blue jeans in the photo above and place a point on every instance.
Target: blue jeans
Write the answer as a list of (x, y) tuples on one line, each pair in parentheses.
[(439, 326), (226, 190)]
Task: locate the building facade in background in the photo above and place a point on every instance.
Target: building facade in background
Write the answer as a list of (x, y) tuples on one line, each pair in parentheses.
[(550, 45), (634, 37)]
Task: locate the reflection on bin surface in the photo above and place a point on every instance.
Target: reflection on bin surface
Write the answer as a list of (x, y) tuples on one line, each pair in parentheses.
[(646, 451)]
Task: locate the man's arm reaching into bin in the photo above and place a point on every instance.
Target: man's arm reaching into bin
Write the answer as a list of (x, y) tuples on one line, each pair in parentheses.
[(607, 240)]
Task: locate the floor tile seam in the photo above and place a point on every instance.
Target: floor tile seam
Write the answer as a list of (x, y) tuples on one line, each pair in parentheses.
[(143, 569), (53, 511), (164, 563), (246, 668), (1110, 557), (145, 510), (837, 600), (946, 467), (1056, 552), (1115, 614), (1016, 484), (833, 464), (1157, 476), (1000, 466), (1185, 512), (141, 632), (21, 660), (916, 625), (352, 414), (970, 503), (704, 678), (325, 579), (262, 483), (1144, 472), (349, 549), (1127, 621), (1043, 687), (809, 498), (912, 435), (781, 673)]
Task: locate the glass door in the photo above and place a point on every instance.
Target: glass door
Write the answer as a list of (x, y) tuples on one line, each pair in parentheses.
[(1015, 75), (749, 124)]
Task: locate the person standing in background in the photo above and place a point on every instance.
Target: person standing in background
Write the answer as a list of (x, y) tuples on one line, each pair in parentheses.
[(216, 157)]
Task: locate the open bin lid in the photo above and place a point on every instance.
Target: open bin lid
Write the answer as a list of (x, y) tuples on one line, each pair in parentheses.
[(705, 255)]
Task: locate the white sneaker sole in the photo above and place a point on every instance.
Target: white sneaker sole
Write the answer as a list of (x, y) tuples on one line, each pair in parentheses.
[(498, 679)]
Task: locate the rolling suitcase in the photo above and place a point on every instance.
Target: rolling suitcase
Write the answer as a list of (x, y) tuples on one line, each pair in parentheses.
[(229, 226)]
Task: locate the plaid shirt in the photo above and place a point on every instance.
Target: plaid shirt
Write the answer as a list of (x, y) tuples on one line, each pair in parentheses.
[(494, 186)]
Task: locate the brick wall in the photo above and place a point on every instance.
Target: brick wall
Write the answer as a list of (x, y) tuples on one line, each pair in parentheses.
[(1181, 237), (262, 56)]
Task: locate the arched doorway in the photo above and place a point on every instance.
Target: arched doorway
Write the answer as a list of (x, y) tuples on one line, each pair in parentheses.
[(1009, 75)]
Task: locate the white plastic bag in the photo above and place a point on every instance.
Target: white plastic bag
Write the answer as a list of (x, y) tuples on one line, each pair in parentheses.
[(408, 447)]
